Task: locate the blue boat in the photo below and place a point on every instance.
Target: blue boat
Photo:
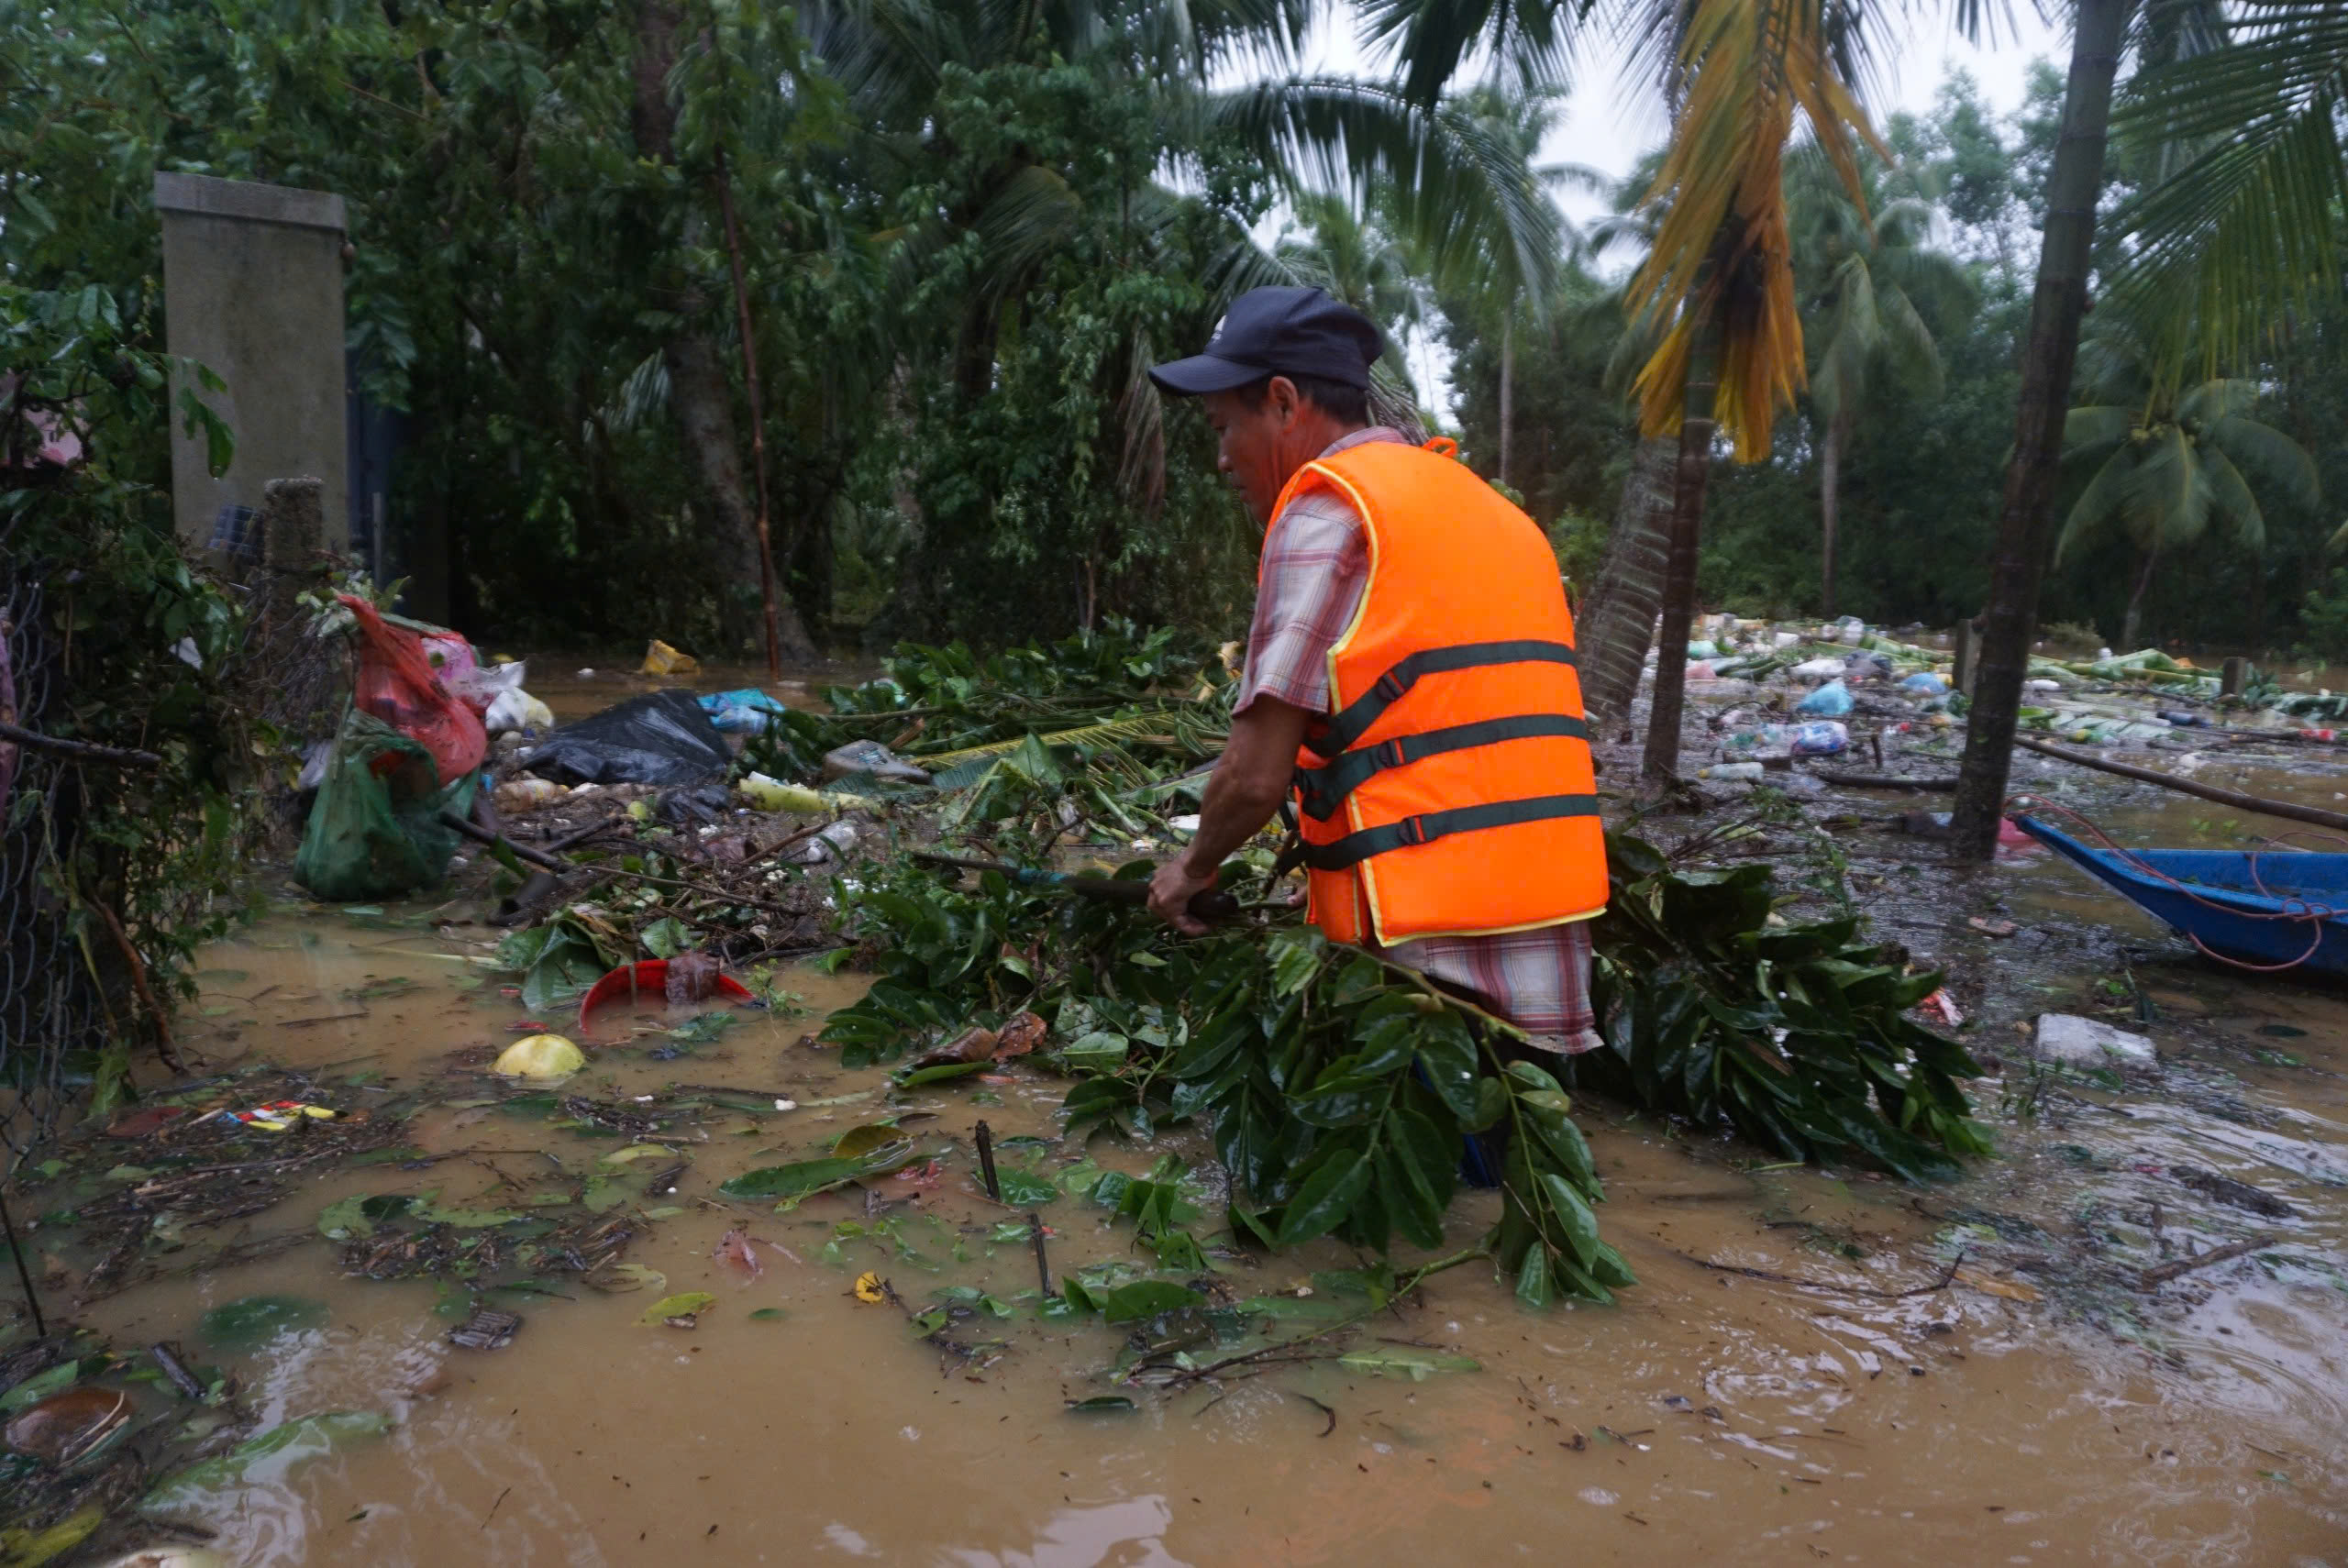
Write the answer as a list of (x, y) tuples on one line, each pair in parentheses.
[(2270, 909)]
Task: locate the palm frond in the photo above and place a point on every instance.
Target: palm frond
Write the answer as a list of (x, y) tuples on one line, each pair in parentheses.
[(2086, 429), (2259, 445), (2229, 496), (2105, 497), (2168, 498), (1533, 42), (1723, 251), (2244, 222), (1459, 195)]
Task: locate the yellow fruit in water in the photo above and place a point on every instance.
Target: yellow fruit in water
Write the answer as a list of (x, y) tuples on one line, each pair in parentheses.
[(541, 1057)]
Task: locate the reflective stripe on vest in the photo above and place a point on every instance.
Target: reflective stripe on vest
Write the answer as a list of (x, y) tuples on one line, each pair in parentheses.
[(1449, 792)]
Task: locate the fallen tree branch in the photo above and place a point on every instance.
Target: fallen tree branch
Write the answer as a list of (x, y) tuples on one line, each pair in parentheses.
[(2234, 798), (2162, 1272), (79, 751), (1775, 1278), (1883, 781)]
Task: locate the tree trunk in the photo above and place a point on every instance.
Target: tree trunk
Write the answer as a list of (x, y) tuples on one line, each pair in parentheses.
[(1689, 478), (2073, 189), (1830, 501), (1508, 392), (2135, 616), (1618, 617), (700, 395)]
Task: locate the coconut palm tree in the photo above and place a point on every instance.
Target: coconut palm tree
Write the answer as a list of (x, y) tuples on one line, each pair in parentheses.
[(2240, 117), (2166, 463), (1872, 275)]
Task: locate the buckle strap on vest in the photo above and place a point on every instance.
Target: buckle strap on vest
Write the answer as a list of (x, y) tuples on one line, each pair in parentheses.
[(1324, 788), (1357, 847), (1354, 722)]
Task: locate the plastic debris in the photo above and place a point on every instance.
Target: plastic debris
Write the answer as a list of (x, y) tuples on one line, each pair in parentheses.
[(64, 1427), (745, 709), (517, 710), (277, 1115), (1832, 701), (649, 978), (659, 658), (542, 1058), (2066, 1037), (660, 738), (872, 757), (1925, 683), (517, 796), (1818, 669)]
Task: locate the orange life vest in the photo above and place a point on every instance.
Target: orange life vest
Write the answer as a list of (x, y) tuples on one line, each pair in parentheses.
[(1448, 790)]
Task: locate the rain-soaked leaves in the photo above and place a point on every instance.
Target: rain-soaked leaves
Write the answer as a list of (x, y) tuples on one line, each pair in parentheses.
[(621, 1277), (1148, 1298), (1102, 1403)]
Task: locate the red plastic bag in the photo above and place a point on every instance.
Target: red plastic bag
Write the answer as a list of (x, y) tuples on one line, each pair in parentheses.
[(396, 684)]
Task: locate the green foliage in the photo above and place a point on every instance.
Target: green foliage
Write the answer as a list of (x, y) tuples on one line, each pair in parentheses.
[(151, 654), (1797, 1036)]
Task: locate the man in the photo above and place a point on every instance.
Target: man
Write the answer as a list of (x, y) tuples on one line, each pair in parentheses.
[(1409, 672)]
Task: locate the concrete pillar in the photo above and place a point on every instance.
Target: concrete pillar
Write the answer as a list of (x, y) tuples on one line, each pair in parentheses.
[(252, 289), (2235, 674), (292, 532)]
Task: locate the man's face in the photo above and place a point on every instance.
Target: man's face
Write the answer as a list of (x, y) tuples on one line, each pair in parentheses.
[(1256, 446)]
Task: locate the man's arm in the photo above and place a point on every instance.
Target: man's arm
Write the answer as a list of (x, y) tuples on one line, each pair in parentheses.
[(1246, 787)]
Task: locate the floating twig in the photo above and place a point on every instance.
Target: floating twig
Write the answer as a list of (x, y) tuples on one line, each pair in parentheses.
[(2161, 1273), (986, 1166)]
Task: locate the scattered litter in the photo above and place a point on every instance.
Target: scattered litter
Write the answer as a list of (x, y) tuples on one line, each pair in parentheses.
[(2066, 1037), (870, 757), (870, 1289), (1818, 669), (650, 978), (69, 1426), (277, 1115), (1988, 927), (541, 1058), (1832, 701), (485, 1330), (1941, 1006), (659, 658), (660, 738)]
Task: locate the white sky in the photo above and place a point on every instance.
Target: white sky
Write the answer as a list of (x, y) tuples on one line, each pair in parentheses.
[(1609, 120)]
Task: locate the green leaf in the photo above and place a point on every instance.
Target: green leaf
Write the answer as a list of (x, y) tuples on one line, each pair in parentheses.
[(1533, 1287), (1326, 1195), (38, 1386), (804, 1179), (267, 1457), (1100, 1403), (1406, 1360), (1580, 1224), (1025, 1189), (686, 1304), (769, 1315), (1148, 1298)]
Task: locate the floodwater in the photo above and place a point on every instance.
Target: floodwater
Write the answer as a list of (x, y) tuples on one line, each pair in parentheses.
[(2036, 1407)]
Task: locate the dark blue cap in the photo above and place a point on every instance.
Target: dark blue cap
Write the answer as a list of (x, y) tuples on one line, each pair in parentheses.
[(1282, 331)]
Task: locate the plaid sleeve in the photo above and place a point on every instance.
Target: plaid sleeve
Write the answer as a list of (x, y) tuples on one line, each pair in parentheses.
[(1316, 565)]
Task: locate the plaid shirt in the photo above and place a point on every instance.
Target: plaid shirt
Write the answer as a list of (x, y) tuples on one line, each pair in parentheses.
[(1315, 569)]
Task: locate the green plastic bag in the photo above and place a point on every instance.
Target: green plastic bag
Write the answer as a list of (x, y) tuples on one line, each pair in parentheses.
[(375, 829)]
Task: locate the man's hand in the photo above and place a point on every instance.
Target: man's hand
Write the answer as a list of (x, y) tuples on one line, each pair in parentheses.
[(1170, 892), (1245, 789)]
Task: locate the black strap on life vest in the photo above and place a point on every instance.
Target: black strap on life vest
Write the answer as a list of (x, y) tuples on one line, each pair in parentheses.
[(1357, 847), (1354, 722), (1324, 788)]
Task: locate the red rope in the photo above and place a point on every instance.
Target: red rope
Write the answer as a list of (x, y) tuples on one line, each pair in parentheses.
[(2315, 914)]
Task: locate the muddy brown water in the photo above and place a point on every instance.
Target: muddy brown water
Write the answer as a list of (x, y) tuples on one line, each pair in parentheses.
[(1711, 1415)]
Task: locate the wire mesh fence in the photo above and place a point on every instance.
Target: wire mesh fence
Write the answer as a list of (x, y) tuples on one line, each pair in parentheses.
[(52, 1004), (87, 957)]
